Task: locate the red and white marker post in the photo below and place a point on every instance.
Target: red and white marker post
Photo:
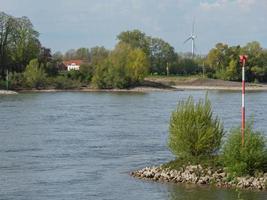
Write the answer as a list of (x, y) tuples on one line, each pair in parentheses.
[(243, 59)]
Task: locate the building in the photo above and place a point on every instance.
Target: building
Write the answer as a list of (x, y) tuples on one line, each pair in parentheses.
[(72, 64)]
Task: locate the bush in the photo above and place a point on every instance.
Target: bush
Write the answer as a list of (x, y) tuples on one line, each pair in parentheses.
[(250, 158), (193, 131), (35, 75)]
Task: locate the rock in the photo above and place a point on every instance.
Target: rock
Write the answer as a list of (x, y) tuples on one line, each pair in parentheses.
[(221, 175), (197, 175), (201, 181)]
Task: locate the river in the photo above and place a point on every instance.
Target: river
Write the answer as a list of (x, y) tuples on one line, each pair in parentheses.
[(74, 145)]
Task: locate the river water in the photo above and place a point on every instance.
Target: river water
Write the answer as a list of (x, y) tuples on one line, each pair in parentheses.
[(72, 145)]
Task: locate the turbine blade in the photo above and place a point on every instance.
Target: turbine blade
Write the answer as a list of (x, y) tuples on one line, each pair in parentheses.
[(193, 26), (188, 39)]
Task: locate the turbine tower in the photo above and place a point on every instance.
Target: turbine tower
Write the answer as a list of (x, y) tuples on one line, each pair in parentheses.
[(192, 37)]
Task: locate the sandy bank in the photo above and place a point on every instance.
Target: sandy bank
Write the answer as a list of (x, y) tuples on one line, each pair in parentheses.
[(7, 92)]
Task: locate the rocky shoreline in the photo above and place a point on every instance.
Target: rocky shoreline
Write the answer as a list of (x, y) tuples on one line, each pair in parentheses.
[(196, 174)]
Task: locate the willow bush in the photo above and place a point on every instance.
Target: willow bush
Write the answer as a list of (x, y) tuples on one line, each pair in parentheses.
[(246, 159), (194, 132)]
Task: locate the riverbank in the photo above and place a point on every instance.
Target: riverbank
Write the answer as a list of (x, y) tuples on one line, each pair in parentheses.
[(7, 92), (152, 84), (196, 174), (199, 83)]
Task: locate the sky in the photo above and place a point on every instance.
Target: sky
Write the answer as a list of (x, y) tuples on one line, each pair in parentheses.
[(70, 24)]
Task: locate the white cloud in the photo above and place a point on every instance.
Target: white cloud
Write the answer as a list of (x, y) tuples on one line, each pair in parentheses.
[(222, 4)]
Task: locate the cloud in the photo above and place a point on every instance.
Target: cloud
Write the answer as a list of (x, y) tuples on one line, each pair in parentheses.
[(222, 4)]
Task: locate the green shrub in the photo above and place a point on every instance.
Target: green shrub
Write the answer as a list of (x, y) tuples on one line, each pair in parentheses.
[(194, 132), (35, 75), (250, 158)]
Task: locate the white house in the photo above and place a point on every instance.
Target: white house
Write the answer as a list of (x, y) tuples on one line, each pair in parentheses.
[(72, 64)]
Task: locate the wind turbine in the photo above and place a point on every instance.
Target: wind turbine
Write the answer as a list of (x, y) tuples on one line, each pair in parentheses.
[(192, 37)]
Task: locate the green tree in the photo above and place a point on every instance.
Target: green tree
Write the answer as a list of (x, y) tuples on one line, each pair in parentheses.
[(18, 43), (185, 65), (35, 75), (7, 27), (161, 55), (136, 39), (137, 66), (82, 54), (124, 67), (218, 57), (25, 45), (70, 55), (259, 74), (233, 71), (194, 132), (98, 55), (86, 71)]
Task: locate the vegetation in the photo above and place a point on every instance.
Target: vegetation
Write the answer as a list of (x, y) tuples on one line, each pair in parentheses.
[(124, 67), (195, 138), (194, 132), (250, 158), (222, 62), (135, 56), (35, 76)]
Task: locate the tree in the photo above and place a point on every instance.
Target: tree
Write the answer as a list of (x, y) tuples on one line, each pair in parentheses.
[(86, 71), (137, 66), (98, 55), (124, 67), (18, 43), (194, 132), (70, 54), (233, 71), (218, 57), (25, 45), (185, 65), (259, 73), (83, 54), (136, 39), (35, 75), (6, 30), (161, 54)]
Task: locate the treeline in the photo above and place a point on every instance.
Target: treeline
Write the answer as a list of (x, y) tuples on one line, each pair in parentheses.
[(136, 55), (223, 62)]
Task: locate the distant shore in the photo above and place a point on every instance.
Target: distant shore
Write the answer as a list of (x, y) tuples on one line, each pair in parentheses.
[(164, 83)]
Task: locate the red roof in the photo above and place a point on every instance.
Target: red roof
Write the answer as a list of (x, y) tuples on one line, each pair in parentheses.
[(69, 62)]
